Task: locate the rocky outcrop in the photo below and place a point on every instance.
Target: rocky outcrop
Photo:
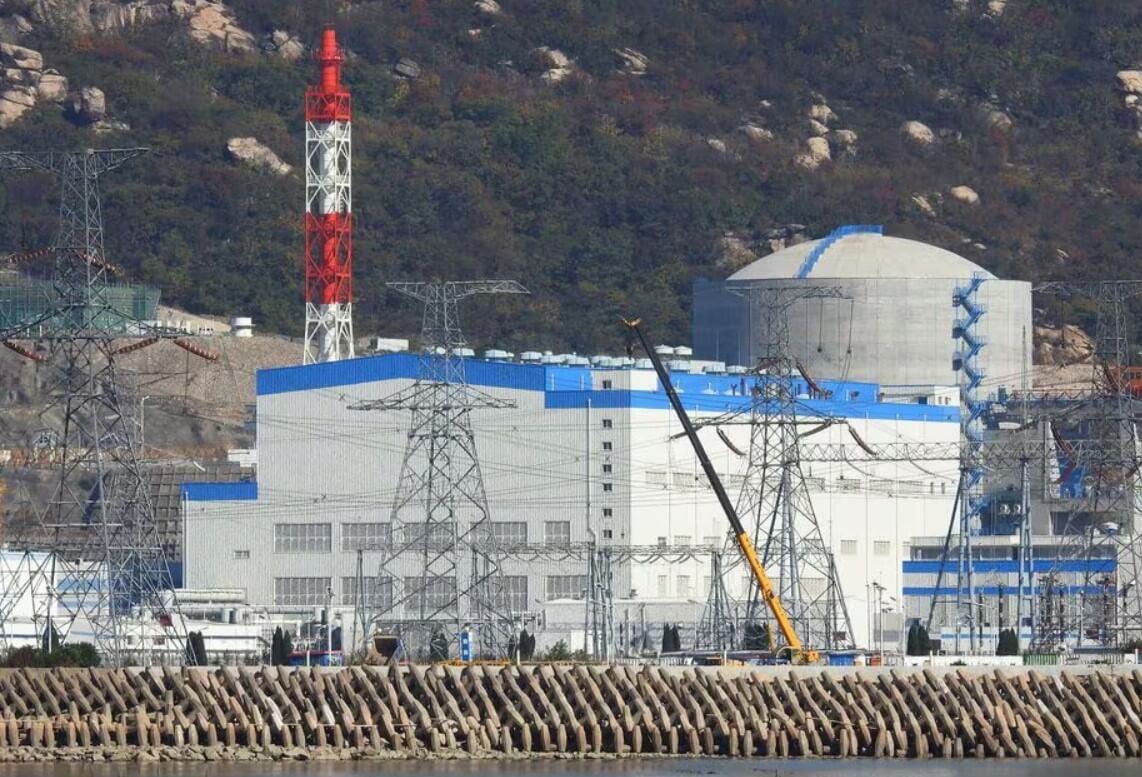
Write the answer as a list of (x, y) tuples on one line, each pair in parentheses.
[(996, 8), (87, 105), (284, 45), (1130, 82), (253, 153), (631, 62), (924, 205), (964, 194), (489, 7), (213, 25), (15, 101), (110, 17), (817, 129), (822, 113), (20, 58), (555, 64), (52, 87), (918, 133), (406, 68), (995, 119), (731, 253), (1061, 346)]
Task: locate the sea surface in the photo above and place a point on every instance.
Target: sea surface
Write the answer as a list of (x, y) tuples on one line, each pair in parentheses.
[(627, 768)]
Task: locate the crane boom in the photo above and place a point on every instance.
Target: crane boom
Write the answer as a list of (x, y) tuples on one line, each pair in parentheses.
[(784, 624)]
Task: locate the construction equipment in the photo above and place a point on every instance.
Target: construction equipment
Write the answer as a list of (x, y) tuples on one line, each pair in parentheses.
[(796, 653)]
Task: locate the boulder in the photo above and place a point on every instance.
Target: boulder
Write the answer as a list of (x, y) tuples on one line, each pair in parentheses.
[(817, 154), (631, 62), (107, 126), (845, 137), (489, 7), (918, 133), (14, 75), (52, 87), (1130, 81), (996, 7), (717, 145), (13, 56), (15, 101), (924, 205), (284, 45), (88, 104), (756, 133), (406, 68), (822, 113), (964, 194), (556, 65), (996, 119), (817, 129), (257, 155)]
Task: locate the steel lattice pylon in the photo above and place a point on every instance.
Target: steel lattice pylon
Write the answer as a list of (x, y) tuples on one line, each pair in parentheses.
[(93, 557), (774, 502), (1107, 512), (442, 564)]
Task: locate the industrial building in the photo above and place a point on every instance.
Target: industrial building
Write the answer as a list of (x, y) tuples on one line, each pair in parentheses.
[(588, 454)]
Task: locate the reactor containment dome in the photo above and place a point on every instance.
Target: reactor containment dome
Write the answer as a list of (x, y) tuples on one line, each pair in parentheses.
[(909, 315)]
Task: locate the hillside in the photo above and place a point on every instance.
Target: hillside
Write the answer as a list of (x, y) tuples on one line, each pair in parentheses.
[(598, 150)]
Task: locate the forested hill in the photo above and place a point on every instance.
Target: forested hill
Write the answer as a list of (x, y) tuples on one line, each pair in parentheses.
[(604, 152)]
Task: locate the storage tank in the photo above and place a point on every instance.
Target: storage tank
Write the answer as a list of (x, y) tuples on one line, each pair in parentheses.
[(242, 326), (900, 322)]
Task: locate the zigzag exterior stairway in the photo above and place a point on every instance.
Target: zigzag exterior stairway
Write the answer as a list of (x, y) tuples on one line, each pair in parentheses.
[(367, 712)]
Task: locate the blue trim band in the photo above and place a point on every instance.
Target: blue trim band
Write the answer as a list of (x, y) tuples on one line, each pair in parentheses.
[(1038, 566), (220, 492)]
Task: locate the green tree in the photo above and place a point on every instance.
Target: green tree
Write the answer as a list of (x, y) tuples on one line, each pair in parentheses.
[(558, 652)]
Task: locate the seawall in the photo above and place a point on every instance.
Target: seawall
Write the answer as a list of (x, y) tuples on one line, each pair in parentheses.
[(245, 713)]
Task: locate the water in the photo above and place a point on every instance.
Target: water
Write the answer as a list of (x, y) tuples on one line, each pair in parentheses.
[(629, 768)]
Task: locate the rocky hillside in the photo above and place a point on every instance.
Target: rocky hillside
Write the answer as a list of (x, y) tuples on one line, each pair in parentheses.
[(605, 152)]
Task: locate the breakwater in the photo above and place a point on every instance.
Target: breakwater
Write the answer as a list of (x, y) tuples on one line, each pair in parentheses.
[(442, 711)]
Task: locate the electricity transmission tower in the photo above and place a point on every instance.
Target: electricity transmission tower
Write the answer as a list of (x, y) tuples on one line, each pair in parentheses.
[(1105, 514), (96, 543), (441, 570), (774, 502)]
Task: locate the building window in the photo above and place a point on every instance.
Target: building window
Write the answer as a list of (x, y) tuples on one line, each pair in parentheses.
[(848, 547), (607, 468), (565, 587), (607, 446), (608, 512), (608, 487), (376, 592), (509, 593), (607, 384), (881, 548), (663, 589), (682, 540), (557, 532), (434, 593), (509, 533), (713, 541), (301, 591), (662, 542), (608, 424), (430, 536), (303, 537), (608, 534), (241, 555), (366, 536), (682, 584)]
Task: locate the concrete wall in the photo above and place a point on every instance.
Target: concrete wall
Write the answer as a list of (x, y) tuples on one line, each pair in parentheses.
[(894, 331)]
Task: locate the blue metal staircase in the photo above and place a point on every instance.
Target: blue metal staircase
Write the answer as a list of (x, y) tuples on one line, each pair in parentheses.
[(827, 243)]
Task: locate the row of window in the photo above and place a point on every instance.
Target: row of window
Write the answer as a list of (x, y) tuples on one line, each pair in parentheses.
[(684, 541), (318, 537), (508, 592)]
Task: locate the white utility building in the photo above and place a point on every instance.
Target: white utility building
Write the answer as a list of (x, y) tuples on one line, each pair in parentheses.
[(586, 453)]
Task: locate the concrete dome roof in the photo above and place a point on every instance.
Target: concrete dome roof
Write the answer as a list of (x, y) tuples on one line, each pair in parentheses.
[(860, 252)]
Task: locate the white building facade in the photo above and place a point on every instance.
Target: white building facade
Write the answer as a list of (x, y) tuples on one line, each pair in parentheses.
[(586, 455)]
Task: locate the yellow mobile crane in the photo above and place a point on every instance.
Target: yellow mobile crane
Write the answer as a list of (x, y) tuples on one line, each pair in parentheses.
[(798, 654)]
